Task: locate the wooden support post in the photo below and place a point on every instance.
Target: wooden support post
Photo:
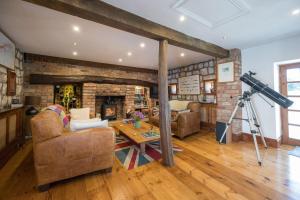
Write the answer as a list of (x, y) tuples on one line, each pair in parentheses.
[(164, 110)]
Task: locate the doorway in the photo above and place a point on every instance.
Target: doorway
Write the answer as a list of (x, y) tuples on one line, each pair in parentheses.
[(290, 117)]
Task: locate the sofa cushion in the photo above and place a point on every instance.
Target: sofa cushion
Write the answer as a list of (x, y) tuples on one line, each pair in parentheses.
[(80, 113), (178, 105), (76, 125)]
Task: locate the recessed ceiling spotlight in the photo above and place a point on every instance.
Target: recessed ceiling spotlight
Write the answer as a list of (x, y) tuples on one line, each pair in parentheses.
[(182, 18), (182, 54), (75, 43), (120, 60), (75, 53), (129, 53), (296, 12), (142, 45), (76, 28)]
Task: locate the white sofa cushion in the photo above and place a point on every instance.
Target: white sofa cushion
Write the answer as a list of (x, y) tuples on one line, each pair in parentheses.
[(76, 125), (80, 113), (178, 105)]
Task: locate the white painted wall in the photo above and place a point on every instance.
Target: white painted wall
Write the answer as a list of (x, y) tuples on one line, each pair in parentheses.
[(264, 60)]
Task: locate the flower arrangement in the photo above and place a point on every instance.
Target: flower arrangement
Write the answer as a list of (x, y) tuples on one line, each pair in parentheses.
[(138, 116)]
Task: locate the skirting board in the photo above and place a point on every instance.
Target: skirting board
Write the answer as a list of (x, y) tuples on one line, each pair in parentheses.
[(248, 138)]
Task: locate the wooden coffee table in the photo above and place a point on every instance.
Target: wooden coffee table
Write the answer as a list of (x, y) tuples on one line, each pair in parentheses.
[(136, 134)]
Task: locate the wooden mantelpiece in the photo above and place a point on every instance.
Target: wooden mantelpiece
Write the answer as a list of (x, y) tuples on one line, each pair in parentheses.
[(11, 134), (61, 79)]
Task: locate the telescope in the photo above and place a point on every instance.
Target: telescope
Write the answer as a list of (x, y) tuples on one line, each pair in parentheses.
[(259, 87), (245, 101)]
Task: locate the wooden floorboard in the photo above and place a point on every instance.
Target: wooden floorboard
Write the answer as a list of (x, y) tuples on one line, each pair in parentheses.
[(204, 170)]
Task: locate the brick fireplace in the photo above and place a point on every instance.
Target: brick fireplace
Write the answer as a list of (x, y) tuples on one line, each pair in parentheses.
[(94, 95)]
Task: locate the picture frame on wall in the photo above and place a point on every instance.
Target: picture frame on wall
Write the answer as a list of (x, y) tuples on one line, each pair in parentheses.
[(209, 86), (7, 52), (189, 85), (172, 89), (225, 72), (11, 83)]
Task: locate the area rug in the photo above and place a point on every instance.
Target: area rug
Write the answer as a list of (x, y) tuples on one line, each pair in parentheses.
[(128, 153), (295, 152)]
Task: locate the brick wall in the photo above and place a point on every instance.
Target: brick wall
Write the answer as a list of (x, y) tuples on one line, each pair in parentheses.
[(52, 68), (4, 99), (225, 91), (205, 70), (89, 97)]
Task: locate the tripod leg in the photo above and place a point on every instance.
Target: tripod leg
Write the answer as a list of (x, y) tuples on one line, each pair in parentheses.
[(256, 149), (230, 120), (257, 124), (252, 130)]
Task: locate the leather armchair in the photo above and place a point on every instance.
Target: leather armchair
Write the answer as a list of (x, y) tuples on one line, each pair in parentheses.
[(60, 154), (186, 123)]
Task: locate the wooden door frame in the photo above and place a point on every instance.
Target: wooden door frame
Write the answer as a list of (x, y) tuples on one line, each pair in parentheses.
[(284, 111)]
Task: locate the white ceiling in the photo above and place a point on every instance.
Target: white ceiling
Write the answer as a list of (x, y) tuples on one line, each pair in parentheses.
[(244, 23), (43, 31)]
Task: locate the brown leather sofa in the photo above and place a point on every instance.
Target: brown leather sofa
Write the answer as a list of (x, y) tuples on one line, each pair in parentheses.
[(59, 154), (186, 123)]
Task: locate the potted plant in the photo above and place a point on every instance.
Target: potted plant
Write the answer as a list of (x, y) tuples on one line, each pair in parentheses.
[(137, 117)]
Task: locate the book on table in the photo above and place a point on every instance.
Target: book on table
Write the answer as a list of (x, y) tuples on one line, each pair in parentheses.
[(150, 134)]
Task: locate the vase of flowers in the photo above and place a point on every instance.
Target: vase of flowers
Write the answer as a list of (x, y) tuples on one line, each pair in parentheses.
[(137, 118)]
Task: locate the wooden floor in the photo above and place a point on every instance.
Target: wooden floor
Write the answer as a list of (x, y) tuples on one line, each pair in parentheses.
[(204, 170)]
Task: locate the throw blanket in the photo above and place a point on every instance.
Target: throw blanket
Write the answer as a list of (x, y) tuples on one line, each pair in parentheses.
[(60, 112)]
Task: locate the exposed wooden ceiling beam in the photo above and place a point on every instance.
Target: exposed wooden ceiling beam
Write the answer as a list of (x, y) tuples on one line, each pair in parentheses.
[(103, 13), (61, 79), (29, 57)]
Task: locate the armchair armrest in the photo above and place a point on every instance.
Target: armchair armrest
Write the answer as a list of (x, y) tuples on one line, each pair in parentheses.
[(188, 123), (189, 118)]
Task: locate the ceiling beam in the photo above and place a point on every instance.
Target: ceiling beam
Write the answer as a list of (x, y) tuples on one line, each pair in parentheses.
[(103, 13), (29, 57), (46, 79)]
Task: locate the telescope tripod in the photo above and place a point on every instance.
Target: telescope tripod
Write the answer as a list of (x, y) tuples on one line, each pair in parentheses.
[(245, 101)]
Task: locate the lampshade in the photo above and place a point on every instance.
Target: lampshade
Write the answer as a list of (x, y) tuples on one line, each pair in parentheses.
[(32, 100)]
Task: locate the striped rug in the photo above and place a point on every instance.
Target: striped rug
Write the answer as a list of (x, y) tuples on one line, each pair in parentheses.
[(128, 153)]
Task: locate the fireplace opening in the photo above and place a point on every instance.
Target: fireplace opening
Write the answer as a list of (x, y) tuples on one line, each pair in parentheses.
[(109, 111), (110, 107)]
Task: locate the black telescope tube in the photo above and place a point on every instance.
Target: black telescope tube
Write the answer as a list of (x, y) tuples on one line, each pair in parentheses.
[(265, 90)]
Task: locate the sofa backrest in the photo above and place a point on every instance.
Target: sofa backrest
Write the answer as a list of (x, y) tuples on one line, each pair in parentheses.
[(178, 105), (45, 125)]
